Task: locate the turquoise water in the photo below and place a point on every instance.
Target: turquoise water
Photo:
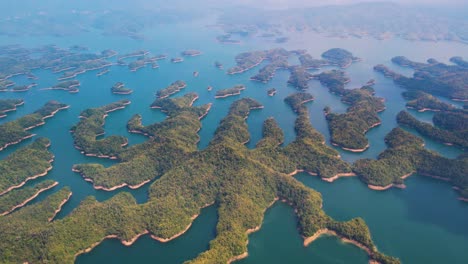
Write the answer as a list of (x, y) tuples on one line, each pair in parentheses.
[(423, 223)]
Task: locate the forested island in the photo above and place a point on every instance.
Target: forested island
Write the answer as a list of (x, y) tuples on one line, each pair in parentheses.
[(242, 183), (173, 88), (191, 53), (15, 131), (406, 155), (91, 125), (348, 130), (69, 86), (235, 90), (339, 57), (422, 102), (451, 127), (433, 77), (271, 92), (8, 105), (119, 88)]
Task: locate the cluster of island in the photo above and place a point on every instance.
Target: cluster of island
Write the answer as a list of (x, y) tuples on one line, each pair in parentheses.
[(16, 60), (242, 182)]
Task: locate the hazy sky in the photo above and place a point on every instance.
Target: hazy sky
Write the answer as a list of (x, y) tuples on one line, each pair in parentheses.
[(304, 3)]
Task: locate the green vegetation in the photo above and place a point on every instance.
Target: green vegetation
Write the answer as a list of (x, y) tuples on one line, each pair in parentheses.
[(176, 136), (308, 62), (91, 126), (248, 60), (297, 100), (266, 73), (348, 130), (422, 101), (15, 131), (24, 164), (70, 86), (299, 77), (174, 88), (339, 57), (241, 182), (19, 197), (406, 155), (434, 78), (453, 130), (334, 80), (119, 88), (7, 105), (236, 90)]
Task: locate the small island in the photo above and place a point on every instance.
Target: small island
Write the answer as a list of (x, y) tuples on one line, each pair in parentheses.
[(173, 88), (177, 60), (69, 86), (102, 72), (191, 53), (218, 65), (119, 88), (339, 57), (299, 77), (271, 92), (236, 90)]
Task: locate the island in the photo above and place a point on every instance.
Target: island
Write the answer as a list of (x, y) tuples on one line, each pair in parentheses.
[(102, 72), (348, 130), (177, 60), (14, 132), (299, 77), (405, 156), (334, 80), (25, 164), (191, 53), (266, 73), (91, 126), (235, 90), (243, 182), (69, 86), (173, 88), (218, 65), (8, 105), (176, 136), (434, 78), (119, 88), (248, 60), (451, 127), (422, 102), (271, 92), (339, 57)]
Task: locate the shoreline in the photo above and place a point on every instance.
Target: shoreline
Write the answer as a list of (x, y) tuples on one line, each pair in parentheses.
[(135, 238), (59, 208), (250, 231), (326, 231), (29, 199), (28, 179), (100, 187)]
